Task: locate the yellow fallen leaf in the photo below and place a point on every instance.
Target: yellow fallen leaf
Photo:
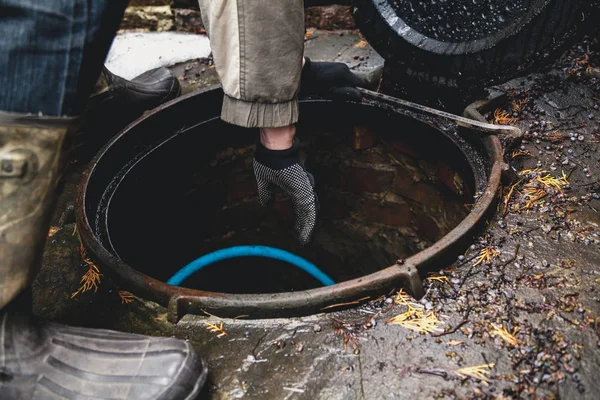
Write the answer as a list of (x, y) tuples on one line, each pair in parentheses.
[(479, 372)]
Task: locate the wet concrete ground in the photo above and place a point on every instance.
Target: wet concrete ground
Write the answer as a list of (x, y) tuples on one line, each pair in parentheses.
[(529, 318)]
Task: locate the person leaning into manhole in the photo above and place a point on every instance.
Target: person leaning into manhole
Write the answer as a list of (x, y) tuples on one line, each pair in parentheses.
[(258, 51), (53, 52)]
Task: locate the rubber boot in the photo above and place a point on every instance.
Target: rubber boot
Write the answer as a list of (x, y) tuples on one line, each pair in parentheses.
[(143, 92), (43, 360), (116, 102)]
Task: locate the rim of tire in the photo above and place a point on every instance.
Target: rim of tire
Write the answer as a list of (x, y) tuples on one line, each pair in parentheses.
[(399, 21), (450, 55)]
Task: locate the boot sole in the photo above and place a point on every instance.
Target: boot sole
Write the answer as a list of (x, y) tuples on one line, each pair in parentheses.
[(199, 383)]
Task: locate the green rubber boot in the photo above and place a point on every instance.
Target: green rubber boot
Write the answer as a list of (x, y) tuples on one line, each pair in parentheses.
[(42, 360)]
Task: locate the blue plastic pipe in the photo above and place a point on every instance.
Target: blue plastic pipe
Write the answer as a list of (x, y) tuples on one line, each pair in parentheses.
[(249, 251)]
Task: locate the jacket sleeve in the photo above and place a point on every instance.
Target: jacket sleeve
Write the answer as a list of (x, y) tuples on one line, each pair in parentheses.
[(257, 49)]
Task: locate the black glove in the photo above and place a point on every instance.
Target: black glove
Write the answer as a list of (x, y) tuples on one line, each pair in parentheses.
[(332, 80), (283, 168)]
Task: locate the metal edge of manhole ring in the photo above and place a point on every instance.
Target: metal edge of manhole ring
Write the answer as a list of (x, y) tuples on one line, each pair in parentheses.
[(181, 301)]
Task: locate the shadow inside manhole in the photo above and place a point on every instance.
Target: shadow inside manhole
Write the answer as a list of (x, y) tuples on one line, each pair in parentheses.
[(389, 186)]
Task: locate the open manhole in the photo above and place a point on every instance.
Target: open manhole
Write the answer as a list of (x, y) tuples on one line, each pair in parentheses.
[(398, 193)]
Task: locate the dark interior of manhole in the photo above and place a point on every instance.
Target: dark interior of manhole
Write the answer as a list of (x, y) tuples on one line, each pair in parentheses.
[(195, 193)]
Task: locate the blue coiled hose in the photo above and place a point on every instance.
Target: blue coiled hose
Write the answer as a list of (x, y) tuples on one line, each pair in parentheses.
[(249, 251)]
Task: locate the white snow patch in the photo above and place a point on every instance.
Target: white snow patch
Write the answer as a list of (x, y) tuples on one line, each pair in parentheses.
[(132, 54)]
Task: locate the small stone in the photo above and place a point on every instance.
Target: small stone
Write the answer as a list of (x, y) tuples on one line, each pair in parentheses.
[(389, 300), (571, 134), (573, 139), (280, 344), (317, 328), (461, 258), (585, 170), (299, 347), (565, 161), (591, 116), (539, 164), (570, 151), (247, 334)]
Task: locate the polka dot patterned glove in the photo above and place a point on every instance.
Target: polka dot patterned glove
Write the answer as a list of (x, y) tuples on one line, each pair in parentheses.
[(284, 169)]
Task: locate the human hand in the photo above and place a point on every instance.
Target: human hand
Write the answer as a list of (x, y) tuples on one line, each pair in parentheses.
[(284, 169), (332, 80)]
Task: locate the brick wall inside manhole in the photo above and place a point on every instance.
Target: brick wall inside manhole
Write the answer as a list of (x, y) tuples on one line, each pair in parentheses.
[(389, 186)]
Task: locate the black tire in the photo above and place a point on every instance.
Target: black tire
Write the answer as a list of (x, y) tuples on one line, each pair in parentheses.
[(517, 48)]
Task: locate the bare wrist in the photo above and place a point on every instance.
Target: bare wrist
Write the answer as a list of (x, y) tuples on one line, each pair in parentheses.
[(278, 138)]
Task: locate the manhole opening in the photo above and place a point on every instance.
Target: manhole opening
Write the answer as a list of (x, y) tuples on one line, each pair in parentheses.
[(195, 193)]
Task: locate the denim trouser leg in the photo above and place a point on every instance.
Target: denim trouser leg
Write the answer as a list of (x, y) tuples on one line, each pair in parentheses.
[(52, 52)]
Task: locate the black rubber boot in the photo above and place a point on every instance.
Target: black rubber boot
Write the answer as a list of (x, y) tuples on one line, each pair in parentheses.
[(117, 102), (143, 92), (41, 360)]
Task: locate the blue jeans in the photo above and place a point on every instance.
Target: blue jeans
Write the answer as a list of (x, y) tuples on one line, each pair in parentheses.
[(52, 52)]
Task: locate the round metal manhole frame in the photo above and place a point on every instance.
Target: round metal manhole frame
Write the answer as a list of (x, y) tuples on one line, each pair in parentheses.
[(181, 301)]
